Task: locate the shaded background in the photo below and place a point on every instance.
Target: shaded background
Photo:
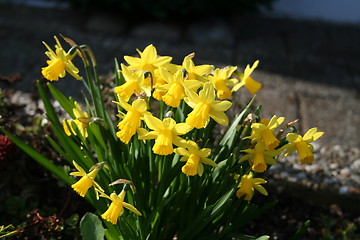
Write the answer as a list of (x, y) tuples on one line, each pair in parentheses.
[(309, 62), (313, 62)]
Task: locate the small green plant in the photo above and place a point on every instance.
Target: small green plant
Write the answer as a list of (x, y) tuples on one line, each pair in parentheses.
[(338, 229), (7, 231), (171, 164)]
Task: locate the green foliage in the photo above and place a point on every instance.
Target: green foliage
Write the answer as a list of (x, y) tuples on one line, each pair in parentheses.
[(300, 231), (91, 227), (338, 229), (165, 201), (7, 231)]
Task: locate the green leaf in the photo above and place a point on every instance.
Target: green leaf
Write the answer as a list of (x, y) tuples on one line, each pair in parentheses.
[(40, 158), (111, 236), (300, 232), (222, 201), (97, 133), (56, 146), (230, 133), (64, 102), (230, 138), (50, 111), (265, 237), (91, 227), (248, 237)]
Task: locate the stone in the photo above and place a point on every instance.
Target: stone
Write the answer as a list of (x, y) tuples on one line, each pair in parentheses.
[(211, 33), (156, 30), (106, 23)]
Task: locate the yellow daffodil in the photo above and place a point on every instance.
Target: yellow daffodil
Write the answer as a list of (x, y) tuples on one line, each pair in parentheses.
[(248, 185), (87, 180), (134, 84), (148, 61), (265, 133), (132, 119), (195, 72), (220, 79), (260, 157), (194, 158), (302, 144), (60, 62), (158, 92), (205, 106), (116, 208), (166, 133), (175, 87), (247, 81), (81, 120)]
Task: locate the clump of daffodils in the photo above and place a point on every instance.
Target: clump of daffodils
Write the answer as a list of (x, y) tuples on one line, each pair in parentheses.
[(163, 142)]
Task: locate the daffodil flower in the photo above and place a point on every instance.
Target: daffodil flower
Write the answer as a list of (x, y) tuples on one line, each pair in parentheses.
[(166, 133), (158, 92), (195, 72), (132, 119), (247, 81), (302, 144), (133, 83), (81, 120), (194, 158), (116, 208), (87, 180), (220, 79), (205, 106), (60, 62), (260, 157), (148, 61), (175, 87), (248, 185), (265, 133)]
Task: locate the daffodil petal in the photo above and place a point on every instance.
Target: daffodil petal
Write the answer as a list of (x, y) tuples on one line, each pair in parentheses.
[(153, 122), (182, 151), (131, 208), (207, 94), (133, 61), (203, 69), (149, 54), (204, 152), (162, 61), (219, 117), (208, 161), (200, 169), (149, 135), (221, 106), (261, 189), (182, 128), (140, 105), (293, 137)]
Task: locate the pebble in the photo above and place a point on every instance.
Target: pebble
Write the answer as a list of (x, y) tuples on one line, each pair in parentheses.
[(356, 165), (334, 166), (344, 190), (155, 30), (214, 33), (301, 175), (345, 172)]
